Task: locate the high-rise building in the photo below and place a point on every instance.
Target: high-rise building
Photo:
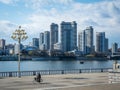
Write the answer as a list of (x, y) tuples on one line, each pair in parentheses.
[(53, 35), (81, 41), (47, 40), (35, 42), (41, 41), (114, 47), (89, 48), (9, 49), (106, 45), (44, 43), (2, 44), (101, 42), (16, 48), (85, 40), (68, 36)]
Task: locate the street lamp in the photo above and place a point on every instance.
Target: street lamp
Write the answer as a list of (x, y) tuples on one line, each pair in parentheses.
[(19, 35)]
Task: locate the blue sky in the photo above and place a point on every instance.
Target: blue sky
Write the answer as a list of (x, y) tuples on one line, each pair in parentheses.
[(35, 16)]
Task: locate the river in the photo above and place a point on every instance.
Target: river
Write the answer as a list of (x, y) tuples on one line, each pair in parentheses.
[(6, 66)]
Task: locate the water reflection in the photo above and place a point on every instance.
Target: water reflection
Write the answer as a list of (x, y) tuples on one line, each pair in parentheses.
[(52, 65)]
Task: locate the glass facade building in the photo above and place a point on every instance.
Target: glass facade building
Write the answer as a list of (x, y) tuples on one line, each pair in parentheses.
[(85, 40), (35, 42), (68, 36), (114, 47), (53, 35), (41, 41), (2, 44), (101, 42), (47, 40)]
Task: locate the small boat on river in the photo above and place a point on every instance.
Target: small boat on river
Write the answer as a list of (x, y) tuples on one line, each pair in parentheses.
[(81, 62)]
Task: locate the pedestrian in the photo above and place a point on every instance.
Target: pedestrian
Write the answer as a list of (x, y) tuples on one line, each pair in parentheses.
[(38, 77)]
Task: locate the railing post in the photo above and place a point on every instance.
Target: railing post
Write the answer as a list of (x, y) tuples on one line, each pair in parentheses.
[(34, 73), (49, 72), (80, 71), (10, 74), (101, 70), (62, 72)]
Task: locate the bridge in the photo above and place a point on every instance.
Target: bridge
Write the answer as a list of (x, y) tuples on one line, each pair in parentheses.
[(114, 57)]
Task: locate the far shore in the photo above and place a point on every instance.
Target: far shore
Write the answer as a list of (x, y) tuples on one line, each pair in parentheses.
[(36, 58)]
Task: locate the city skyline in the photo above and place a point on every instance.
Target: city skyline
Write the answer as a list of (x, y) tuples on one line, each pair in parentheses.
[(35, 16)]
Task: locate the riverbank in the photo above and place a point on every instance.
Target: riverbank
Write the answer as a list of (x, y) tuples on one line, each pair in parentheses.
[(86, 81), (14, 58), (68, 58), (25, 58)]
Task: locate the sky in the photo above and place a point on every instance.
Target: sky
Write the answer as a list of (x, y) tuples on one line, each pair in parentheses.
[(35, 16)]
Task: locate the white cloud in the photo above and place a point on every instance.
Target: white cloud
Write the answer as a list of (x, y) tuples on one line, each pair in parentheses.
[(6, 29), (46, 4), (8, 1), (103, 16)]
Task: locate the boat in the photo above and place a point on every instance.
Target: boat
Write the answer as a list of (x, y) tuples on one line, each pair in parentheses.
[(81, 62)]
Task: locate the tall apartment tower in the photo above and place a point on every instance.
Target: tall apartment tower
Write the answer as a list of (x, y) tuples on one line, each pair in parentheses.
[(89, 40), (81, 41), (35, 42), (47, 40), (106, 45), (53, 35), (101, 42), (85, 40), (114, 47), (41, 41), (2, 44), (68, 36)]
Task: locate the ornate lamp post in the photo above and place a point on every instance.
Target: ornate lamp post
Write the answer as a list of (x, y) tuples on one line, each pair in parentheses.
[(19, 35)]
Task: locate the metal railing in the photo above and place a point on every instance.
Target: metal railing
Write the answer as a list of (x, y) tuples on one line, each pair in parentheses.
[(53, 72)]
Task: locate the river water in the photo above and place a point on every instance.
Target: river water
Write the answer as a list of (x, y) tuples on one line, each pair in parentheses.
[(6, 66)]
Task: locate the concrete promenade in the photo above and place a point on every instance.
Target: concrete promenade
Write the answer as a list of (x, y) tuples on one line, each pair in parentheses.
[(84, 81)]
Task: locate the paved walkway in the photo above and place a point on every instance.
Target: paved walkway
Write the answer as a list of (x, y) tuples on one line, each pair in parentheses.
[(88, 81)]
